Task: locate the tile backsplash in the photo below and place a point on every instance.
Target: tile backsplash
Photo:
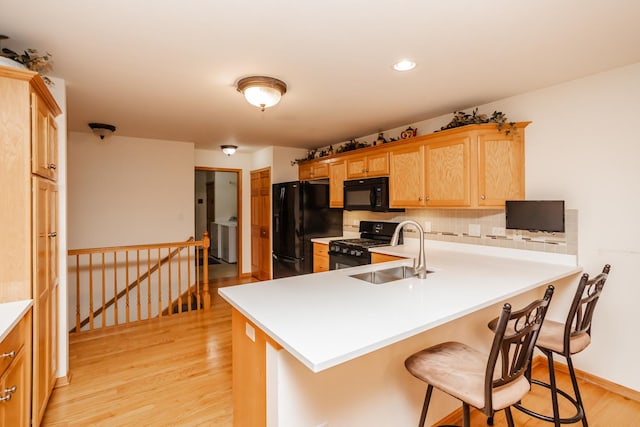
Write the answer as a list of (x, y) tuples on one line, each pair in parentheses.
[(475, 226)]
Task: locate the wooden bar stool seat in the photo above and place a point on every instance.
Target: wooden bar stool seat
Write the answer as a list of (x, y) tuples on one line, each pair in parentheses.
[(490, 382)]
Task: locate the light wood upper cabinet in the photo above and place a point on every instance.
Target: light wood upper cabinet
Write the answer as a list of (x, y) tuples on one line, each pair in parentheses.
[(44, 140), (313, 170), (448, 172), (500, 168), (474, 166), (337, 174), (406, 178), (369, 165)]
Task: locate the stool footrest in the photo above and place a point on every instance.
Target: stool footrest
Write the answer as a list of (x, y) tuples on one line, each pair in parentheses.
[(570, 420)]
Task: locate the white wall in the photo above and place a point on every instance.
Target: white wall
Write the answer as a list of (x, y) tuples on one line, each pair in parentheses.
[(126, 191), (226, 195)]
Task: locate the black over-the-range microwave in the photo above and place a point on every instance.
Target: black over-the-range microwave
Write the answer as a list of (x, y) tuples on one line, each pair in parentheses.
[(370, 194)]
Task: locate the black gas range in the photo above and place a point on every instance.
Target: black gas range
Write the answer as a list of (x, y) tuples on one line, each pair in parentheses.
[(352, 252)]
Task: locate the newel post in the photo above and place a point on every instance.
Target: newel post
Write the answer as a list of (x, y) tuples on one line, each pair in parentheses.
[(205, 271)]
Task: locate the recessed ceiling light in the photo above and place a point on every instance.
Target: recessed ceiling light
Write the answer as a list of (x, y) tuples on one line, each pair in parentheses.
[(404, 65)]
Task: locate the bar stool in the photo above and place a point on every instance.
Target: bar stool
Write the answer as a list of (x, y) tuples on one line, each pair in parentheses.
[(566, 339), (471, 375)]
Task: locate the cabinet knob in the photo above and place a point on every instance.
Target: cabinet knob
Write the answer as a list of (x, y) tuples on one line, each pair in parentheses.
[(483, 197), (10, 354), (11, 390), (427, 198), (420, 198), (52, 166), (52, 234)]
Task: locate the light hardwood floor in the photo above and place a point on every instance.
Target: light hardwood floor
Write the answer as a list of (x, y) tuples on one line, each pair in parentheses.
[(177, 372)]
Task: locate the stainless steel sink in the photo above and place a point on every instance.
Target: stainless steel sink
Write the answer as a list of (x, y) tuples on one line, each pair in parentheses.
[(380, 277)]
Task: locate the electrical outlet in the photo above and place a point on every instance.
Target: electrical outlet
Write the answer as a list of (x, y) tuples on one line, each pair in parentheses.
[(250, 332), (427, 226), (498, 231), (474, 230)]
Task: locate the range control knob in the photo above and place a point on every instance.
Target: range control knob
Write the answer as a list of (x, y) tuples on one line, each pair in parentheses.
[(345, 250), (357, 252)]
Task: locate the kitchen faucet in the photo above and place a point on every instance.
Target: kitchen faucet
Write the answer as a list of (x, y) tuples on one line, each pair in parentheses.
[(420, 263)]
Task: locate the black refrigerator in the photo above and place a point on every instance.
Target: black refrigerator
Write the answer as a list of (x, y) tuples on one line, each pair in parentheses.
[(301, 212)]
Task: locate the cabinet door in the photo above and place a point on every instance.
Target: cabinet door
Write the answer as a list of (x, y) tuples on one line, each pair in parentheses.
[(43, 145), (448, 172), (304, 172), (356, 167), (406, 180), (319, 170), (500, 169), (378, 164), (15, 411), (337, 174), (320, 257), (45, 278)]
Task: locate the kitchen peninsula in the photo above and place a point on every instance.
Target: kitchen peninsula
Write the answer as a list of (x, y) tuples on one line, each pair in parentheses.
[(328, 349)]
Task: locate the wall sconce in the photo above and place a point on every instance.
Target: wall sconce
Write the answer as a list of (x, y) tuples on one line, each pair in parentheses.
[(261, 91), (229, 149), (102, 130)]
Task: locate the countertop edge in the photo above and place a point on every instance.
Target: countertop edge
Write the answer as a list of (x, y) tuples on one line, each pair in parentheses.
[(10, 315)]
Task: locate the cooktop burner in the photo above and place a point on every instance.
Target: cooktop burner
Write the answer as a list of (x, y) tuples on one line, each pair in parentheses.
[(362, 243)]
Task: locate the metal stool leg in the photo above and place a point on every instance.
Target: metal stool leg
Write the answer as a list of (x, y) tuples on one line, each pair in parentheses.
[(553, 388), (425, 406), (576, 390)]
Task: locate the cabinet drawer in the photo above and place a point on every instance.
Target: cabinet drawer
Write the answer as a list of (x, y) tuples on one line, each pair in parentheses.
[(12, 344)]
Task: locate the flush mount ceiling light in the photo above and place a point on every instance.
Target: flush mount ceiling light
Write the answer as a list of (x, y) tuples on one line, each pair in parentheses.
[(404, 65), (261, 91), (102, 130), (229, 149)]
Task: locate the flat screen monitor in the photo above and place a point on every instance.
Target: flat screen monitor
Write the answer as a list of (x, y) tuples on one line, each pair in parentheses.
[(535, 215)]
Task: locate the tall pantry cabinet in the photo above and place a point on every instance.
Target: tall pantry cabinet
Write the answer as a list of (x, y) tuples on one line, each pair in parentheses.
[(28, 218)]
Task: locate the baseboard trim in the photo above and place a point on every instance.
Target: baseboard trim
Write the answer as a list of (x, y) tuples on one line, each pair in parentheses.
[(63, 381), (593, 379), (607, 385)]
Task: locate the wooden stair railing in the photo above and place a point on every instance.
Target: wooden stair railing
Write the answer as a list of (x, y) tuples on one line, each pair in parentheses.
[(84, 270)]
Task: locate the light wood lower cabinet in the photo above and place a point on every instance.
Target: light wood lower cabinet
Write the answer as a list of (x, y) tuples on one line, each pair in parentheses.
[(15, 377), (320, 257), (377, 258)]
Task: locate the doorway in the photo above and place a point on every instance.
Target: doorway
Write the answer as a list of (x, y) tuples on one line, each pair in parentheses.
[(218, 195)]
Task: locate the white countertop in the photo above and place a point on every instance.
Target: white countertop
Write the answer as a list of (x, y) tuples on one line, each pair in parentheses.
[(328, 318), (327, 240), (10, 314)]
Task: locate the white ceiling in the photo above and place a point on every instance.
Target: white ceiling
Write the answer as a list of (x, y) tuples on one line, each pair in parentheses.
[(167, 69)]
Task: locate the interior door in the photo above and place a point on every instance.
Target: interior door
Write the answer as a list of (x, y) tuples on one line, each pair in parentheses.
[(261, 224)]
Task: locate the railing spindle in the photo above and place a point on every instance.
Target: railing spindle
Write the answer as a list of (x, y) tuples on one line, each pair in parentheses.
[(126, 261), (78, 293), (159, 285), (138, 282), (104, 301), (115, 287), (180, 281), (90, 291), (170, 311), (188, 279), (149, 283)]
